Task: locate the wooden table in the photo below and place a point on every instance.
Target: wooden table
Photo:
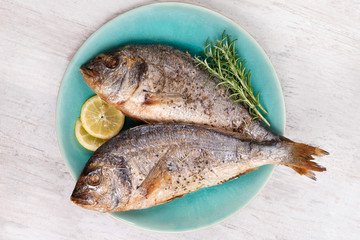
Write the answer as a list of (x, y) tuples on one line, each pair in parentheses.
[(315, 49)]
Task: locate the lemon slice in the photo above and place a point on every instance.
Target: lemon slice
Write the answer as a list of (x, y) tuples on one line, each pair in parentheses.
[(85, 139), (100, 119)]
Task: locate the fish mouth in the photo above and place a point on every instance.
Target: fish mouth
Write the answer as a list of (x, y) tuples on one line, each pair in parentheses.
[(89, 74), (82, 200)]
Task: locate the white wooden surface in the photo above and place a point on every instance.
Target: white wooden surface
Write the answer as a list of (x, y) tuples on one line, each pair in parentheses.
[(315, 49)]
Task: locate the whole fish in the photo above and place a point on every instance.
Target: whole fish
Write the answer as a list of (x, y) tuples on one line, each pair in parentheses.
[(157, 83), (154, 164)]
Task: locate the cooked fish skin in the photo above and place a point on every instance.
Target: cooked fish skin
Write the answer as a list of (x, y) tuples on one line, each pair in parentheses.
[(157, 83), (153, 164)]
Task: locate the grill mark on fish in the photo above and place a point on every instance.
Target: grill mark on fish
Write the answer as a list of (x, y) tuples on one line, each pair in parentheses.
[(124, 171)]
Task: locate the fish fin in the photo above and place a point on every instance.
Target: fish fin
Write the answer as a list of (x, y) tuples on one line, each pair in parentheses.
[(235, 134), (173, 198), (248, 171), (153, 98), (305, 172), (158, 175), (243, 173), (302, 155)]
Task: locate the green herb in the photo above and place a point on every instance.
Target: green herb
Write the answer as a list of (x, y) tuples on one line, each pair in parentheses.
[(221, 60)]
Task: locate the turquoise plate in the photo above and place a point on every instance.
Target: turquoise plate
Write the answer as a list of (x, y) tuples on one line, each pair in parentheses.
[(186, 27)]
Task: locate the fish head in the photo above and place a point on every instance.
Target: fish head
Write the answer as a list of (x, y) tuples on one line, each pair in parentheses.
[(114, 76), (102, 187)]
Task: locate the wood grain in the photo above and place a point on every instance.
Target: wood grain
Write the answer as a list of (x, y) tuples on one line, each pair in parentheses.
[(315, 49)]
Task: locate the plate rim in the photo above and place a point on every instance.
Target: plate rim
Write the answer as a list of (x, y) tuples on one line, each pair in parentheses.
[(169, 3)]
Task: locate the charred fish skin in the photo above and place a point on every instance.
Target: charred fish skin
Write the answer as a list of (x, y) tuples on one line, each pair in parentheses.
[(157, 83), (154, 164)]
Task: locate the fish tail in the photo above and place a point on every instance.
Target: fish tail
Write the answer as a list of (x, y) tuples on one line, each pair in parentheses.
[(302, 155)]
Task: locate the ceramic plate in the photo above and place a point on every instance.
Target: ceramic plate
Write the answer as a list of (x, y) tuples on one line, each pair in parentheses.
[(186, 27)]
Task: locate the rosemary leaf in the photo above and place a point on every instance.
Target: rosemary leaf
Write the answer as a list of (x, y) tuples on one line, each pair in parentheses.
[(221, 60)]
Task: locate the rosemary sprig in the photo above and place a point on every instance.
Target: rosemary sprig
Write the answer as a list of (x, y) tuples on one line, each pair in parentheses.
[(221, 60)]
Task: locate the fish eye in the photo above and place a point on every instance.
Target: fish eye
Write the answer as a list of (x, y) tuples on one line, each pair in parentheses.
[(109, 60), (93, 179)]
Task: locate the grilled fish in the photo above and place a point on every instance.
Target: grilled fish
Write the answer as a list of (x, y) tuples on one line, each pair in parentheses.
[(153, 164), (157, 84)]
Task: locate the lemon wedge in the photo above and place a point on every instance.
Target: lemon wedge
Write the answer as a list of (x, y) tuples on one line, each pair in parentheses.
[(85, 139), (100, 119)]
